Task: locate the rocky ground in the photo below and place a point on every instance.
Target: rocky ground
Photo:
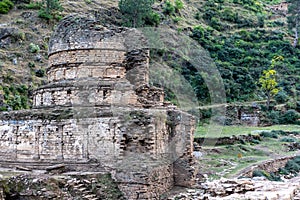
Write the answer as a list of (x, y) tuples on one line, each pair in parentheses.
[(44, 184), (238, 189)]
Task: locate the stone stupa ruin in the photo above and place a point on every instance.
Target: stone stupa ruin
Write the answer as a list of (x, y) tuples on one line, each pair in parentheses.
[(98, 107)]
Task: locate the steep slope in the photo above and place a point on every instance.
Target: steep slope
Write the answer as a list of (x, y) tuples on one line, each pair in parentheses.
[(241, 36)]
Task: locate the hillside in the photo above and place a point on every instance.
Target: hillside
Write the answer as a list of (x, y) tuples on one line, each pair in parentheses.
[(241, 36)]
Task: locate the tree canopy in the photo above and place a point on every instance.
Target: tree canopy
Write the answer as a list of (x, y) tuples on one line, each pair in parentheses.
[(269, 84), (135, 12)]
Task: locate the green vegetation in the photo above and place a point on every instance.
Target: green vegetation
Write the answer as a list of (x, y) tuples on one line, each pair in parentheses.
[(50, 10), (34, 48), (137, 12), (269, 84), (169, 8), (294, 19), (15, 97), (244, 41), (290, 117), (204, 131), (291, 169), (269, 176), (243, 56), (229, 160), (5, 6), (34, 5)]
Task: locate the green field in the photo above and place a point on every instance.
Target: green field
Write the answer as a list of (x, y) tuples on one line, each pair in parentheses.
[(228, 160), (215, 131)]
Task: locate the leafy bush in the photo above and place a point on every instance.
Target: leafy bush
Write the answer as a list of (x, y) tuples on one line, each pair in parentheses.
[(258, 173), (34, 48), (153, 19), (269, 176), (45, 15), (50, 10), (40, 73), (297, 160), (281, 97), (283, 171), (34, 5), (229, 15), (290, 117), (292, 167), (288, 139), (177, 19), (261, 20), (15, 97), (169, 8), (178, 5), (273, 116), (5, 6), (254, 141), (31, 65), (268, 135), (279, 132)]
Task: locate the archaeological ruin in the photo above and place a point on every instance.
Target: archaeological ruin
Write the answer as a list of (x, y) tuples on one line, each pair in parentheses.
[(98, 107)]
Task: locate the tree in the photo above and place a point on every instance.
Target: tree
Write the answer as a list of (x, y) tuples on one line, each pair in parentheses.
[(269, 84), (294, 18), (135, 11), (50, 9)]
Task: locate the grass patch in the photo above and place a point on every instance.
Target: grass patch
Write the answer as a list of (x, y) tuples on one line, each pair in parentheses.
[(228, 160), (215, 131)]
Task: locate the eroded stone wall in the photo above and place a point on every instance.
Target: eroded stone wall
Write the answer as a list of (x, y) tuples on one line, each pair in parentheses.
[(81, 71), (75, 94), (107, 139)]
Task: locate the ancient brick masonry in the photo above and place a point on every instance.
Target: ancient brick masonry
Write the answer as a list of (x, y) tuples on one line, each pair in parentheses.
[(98, 106)]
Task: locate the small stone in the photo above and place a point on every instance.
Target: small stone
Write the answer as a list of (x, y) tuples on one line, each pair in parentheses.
[(15, 61)]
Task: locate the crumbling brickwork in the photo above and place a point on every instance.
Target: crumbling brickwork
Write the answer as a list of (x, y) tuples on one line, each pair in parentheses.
[(98, 105)]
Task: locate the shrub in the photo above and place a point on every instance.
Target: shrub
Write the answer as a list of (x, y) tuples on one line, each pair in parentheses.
[(153, 19), (177, 19), (5, 6), (297, 160), (34, 5), (257, 173), (197, 16), (40, 73), (34, 48), (290, 117), (292, 167), (283, 171), (169, 8), (288, 139), (274, 177), (45, 15), (269, 176), (279, 132), (178, 5), (15, 97), (273, 116), (229, 15), (268, 135), (281, 97), (50, 10), (31, 65), (254, 141), (261, 20)]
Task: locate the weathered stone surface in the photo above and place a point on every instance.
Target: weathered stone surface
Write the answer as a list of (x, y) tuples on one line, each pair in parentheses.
[(240, 189), (98, 107)]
